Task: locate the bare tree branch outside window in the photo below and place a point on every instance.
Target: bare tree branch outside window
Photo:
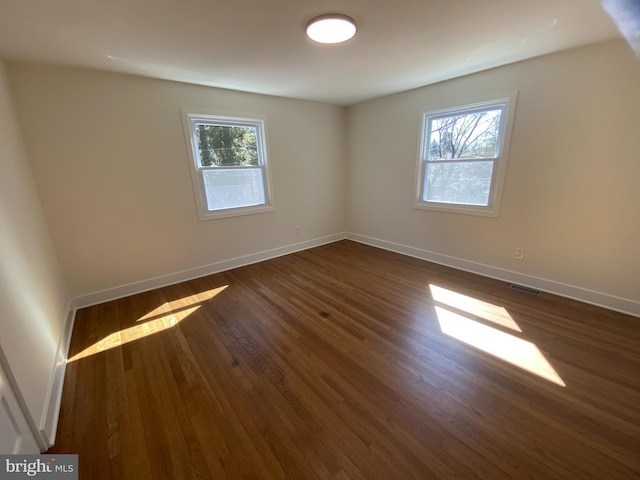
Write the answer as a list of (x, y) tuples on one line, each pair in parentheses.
[(461, 149), (472, 135)]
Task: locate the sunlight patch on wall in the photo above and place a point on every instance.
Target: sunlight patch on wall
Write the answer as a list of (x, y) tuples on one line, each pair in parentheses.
[(505, 346), (166, 316)]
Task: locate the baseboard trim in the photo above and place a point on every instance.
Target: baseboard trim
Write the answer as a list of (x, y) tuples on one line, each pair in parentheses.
[(185, 275), (49, 425), (604, 300), (610, 302)]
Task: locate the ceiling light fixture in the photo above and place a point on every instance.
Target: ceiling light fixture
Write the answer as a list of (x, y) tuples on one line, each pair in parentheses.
[(331, 28)]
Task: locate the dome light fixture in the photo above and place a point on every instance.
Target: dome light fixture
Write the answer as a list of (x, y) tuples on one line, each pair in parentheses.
[(331, 28)]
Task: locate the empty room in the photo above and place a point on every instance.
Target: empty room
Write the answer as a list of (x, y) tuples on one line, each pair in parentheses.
[(321, 239)]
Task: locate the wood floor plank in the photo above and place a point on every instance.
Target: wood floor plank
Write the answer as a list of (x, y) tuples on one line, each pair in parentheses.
[(342, 361)]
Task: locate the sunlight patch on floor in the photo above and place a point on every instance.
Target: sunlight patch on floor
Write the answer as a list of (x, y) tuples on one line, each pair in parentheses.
[(166, 316), (474, 306), (505, 346), (182, 303)]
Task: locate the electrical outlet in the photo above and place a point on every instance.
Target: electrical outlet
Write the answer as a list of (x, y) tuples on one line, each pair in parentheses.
[(519, 253), (297, 229)]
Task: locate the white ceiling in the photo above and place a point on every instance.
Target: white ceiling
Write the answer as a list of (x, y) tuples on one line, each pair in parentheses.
[(260, 46)]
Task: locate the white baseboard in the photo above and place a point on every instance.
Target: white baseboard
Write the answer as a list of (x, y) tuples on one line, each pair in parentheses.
[(610, 302), (52, 408), (185, 275), (49, 425)]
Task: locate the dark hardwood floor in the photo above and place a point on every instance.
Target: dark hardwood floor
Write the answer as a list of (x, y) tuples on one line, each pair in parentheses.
[(347, 361)]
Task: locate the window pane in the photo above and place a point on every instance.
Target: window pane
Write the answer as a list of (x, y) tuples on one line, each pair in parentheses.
[(468, 135), (232, 188), (227, 145), (465, 183)]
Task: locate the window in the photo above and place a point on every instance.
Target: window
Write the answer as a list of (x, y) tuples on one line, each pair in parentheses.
[(463, 157), (228, 164)]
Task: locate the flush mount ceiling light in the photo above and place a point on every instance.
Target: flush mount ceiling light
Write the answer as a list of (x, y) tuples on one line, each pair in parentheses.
[(331, 28)]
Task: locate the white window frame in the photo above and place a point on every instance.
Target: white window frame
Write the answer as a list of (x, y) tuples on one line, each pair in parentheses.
[(508, 102), (190, 117)]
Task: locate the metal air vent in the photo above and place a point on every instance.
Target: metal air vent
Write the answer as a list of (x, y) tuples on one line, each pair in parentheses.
[(523, 289)]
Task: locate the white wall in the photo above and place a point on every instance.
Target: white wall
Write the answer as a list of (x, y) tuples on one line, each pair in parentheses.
[(112, 201), (33, 298), (110, 161), (572, 192)]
